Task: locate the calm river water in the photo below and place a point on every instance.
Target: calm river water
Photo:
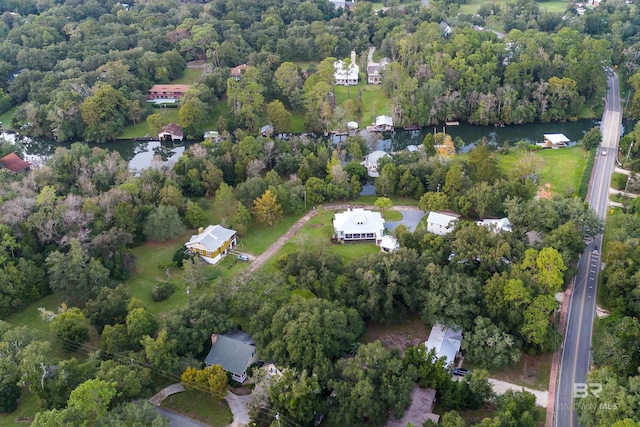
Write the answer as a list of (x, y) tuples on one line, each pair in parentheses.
[(139, 154)]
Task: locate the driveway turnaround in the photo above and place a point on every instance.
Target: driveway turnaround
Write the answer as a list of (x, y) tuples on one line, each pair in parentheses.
[(410, 218), (238, 406)]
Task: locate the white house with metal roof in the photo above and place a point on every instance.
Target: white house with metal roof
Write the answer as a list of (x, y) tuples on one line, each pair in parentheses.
[(441, 223), (212, 243), (358, 225), (234, 355), (445, 341), (496, 225), (371, 162)]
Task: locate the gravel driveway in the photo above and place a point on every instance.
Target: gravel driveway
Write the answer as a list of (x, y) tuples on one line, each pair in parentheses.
[(500, 387)]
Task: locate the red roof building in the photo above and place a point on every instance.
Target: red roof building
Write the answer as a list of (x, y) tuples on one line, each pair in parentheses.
[(172, 132), (14, 163), (236, 72), (166, 93)]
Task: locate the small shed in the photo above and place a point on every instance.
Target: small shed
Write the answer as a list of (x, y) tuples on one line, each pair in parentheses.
[(171, 132), (389, 244), (555, 140), (352, 125), (14, 163)]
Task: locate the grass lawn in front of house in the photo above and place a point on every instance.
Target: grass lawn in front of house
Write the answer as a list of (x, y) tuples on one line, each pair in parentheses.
[(374, 102), (562, 169), (200, 406), (190, 77), (28, 406), (147, 274), (141, 129), (315, 235)]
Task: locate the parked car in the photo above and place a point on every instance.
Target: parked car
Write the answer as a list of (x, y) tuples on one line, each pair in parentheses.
[(243, 257), (461, 372)]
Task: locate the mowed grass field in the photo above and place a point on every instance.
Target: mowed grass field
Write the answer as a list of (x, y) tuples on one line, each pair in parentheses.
[(472, 6), (374, 103), (562, 169)]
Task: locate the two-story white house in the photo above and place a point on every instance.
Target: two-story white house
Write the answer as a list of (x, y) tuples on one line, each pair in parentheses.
[(358, 225)]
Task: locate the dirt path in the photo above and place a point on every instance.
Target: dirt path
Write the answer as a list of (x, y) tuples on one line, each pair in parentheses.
[(278, 244)]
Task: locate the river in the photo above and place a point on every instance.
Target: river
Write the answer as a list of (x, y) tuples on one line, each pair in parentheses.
[(140, 154)]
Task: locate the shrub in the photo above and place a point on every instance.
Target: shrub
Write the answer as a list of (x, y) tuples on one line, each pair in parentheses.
[(162, 291), (9, 394)]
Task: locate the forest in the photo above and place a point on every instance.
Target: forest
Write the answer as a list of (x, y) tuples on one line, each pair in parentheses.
[(82, 69), (68, 228)]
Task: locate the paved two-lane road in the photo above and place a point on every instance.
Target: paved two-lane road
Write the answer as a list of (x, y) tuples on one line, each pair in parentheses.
[(577, 342)]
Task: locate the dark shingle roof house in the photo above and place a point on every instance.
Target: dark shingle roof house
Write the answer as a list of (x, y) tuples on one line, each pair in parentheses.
[(234, 355)]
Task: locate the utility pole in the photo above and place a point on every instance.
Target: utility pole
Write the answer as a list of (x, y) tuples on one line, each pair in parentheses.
[(278, 418), (629, 152)]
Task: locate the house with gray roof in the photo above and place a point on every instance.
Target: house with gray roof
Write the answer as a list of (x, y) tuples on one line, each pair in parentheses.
[(445, 341), (212, 243), (233, 354)]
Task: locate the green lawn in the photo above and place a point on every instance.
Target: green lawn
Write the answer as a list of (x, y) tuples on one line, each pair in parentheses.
[(147, 274), (6, 118), (142, 129), (200, 406), (297, 123), (374, 103), (397, 200), (190, 76), (28, 406), (392, 215), (315, 235), (472, 6), (562, 168)]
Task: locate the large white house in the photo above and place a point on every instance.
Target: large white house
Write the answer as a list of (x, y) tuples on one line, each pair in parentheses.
[(212, 243), (346, 75), (358, 225), (445, 341), (371, 162), (441, 223)]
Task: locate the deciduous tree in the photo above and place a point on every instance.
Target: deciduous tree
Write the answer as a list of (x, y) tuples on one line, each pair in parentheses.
[(266, 209)]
